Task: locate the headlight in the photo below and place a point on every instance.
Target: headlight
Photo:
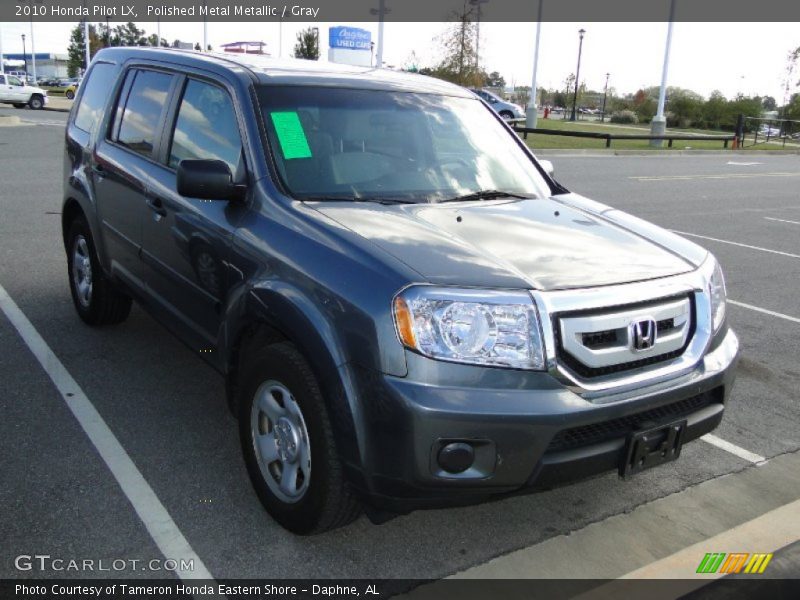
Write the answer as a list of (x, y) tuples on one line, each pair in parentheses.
[(716, 289), (470, 326)]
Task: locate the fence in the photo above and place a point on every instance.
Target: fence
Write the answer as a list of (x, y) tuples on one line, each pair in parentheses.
[(608, 137), (768, 130)]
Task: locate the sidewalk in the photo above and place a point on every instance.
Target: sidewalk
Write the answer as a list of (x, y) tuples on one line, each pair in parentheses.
[(58, 104)]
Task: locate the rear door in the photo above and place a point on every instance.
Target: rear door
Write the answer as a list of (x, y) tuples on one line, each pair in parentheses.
[(186, 241), (123, 164), (5, 90)]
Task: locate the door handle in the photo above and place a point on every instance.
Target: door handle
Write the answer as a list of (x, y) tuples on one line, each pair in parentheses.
[(157, 206), (98, 171)]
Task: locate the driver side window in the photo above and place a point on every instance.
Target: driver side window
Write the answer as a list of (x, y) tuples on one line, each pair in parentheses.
[(14, 80)]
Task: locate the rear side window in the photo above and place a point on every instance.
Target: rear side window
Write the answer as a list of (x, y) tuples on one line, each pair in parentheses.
[(95, 93), (206, 127), (143, 109)]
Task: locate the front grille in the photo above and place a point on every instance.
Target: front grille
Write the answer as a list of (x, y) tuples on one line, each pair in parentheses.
[(586, 435), (605, 340)]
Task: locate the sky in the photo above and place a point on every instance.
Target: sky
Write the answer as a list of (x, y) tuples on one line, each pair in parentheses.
[(747, 58)]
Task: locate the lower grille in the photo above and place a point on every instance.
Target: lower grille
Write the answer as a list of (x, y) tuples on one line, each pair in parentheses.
[(586, 435)]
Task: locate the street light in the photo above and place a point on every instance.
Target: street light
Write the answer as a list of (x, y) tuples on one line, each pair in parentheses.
[(605, 93), (478, 32), (381, 13), (24, 55), (581, 32), (316, 36)]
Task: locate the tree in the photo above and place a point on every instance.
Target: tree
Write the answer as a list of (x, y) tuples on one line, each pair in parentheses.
[(769, 103), (152, 40), (129, 34), (198, 47), (76, 51), (458, 51), (307, 45), (495, 80)]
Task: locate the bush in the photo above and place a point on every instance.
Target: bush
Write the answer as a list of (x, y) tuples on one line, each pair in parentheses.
[(625, 116)]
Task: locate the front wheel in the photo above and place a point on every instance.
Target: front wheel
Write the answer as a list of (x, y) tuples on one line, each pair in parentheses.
[(288, 443), (36, 102), (96, 299), (507, 115), (70, 95)]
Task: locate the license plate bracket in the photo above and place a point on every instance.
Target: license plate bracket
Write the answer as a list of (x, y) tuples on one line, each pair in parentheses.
[(651, 447)]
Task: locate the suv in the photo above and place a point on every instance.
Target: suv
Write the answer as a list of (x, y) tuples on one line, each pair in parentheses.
[(507, 110), (14, 91), (407, 309)]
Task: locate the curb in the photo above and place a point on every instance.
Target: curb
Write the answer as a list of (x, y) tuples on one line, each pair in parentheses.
[(64, 110), (660, 153)]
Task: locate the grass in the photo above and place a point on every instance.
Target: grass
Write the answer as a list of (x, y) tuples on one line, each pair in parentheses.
[(542, 141)]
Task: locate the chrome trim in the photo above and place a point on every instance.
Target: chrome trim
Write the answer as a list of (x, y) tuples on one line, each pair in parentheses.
[(695, 283), (623, 321)]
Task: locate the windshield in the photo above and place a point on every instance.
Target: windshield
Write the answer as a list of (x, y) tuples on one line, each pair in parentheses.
[(335, 143)]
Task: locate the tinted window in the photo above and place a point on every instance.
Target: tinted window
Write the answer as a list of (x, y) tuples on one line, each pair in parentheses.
[(95, 94), (206, 126), (142, 113)]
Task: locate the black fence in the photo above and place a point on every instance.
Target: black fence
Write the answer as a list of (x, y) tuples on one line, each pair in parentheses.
[(609, 137), (756, 130)]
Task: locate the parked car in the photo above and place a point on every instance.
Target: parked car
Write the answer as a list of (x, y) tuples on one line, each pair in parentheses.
[(408, 310), (14, 91), (505, 109), (769, 131), (71, 90)]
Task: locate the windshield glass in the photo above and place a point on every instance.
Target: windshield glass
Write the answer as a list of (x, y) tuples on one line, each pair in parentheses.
[(335, 143)]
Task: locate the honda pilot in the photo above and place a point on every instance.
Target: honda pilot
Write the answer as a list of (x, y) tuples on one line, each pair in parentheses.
[(408, 310)]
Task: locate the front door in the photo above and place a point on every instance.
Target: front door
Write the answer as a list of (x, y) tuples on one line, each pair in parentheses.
[(186, 241)]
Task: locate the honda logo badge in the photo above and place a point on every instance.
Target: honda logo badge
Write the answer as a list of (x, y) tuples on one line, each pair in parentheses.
[(642, 334)]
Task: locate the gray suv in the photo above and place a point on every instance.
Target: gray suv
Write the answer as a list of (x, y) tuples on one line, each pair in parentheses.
[(408, 311)]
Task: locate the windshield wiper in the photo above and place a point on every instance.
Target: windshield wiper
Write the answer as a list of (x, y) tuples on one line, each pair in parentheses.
[(487, 195), (376, 199)]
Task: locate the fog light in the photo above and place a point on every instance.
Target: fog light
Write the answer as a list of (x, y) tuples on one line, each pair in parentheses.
[(456, 457)]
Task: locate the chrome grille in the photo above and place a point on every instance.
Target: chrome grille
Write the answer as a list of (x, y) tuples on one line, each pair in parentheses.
[(600, 342)]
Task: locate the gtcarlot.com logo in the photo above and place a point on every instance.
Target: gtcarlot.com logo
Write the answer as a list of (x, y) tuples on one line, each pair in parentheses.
[(46, 562), (734, 562)]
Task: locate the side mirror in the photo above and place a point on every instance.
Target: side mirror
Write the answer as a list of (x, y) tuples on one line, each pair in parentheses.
[(547, 166), (208, 180)]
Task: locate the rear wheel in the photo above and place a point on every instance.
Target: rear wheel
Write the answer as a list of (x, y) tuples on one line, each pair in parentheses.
[(36, 102), (96, 299), (288, 444), (506, 114), (70, 95)]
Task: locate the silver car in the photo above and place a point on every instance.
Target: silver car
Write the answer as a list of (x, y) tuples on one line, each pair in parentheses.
[(505, 109)]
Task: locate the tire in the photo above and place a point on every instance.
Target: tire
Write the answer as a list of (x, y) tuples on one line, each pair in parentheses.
[(70, 95), (507, 115), (96, 299), (280, 403), (36, 102), (18, 105)]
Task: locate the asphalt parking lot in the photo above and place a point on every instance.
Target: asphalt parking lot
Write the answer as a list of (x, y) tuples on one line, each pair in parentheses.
[(166, 407)]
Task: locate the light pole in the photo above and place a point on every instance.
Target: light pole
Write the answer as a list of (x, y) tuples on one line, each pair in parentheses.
[(381, 13), (478, 32), (205, 29), (605, 93), (581, 33), (316, 36), (532, 110), (2, 60), (658, 126), (24, 55)]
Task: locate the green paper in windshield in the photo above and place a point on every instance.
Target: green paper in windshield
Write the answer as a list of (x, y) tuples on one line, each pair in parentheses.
[(291, 135)]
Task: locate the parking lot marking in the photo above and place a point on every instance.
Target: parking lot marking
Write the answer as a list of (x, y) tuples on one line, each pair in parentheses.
[(725, 176), (705, 237), (154, 515), (733, 449), (782, 220), (772, 313)]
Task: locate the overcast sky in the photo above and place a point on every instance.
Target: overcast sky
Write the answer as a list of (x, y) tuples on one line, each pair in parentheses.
[(748, 58)]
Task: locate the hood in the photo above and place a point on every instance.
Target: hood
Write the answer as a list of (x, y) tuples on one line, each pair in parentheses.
[(542, 244)]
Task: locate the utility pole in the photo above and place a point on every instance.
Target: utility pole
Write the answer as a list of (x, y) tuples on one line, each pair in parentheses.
[(24, 55), (658, 126), (88, 44), (2, 60), (478, 32), (33, 46), (605, 93), (205, 29), (532, 110), (581, 33)]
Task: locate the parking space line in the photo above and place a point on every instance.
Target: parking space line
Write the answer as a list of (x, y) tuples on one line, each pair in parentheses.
[(151, 511), (782, 220), (720, 176), (771, 313), (733, 449), (705, 237)]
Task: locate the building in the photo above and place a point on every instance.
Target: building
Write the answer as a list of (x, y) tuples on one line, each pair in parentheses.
[(48, 65), (245, 48)]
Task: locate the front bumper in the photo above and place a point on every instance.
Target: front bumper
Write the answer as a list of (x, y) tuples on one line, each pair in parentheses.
[(528, 429)]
